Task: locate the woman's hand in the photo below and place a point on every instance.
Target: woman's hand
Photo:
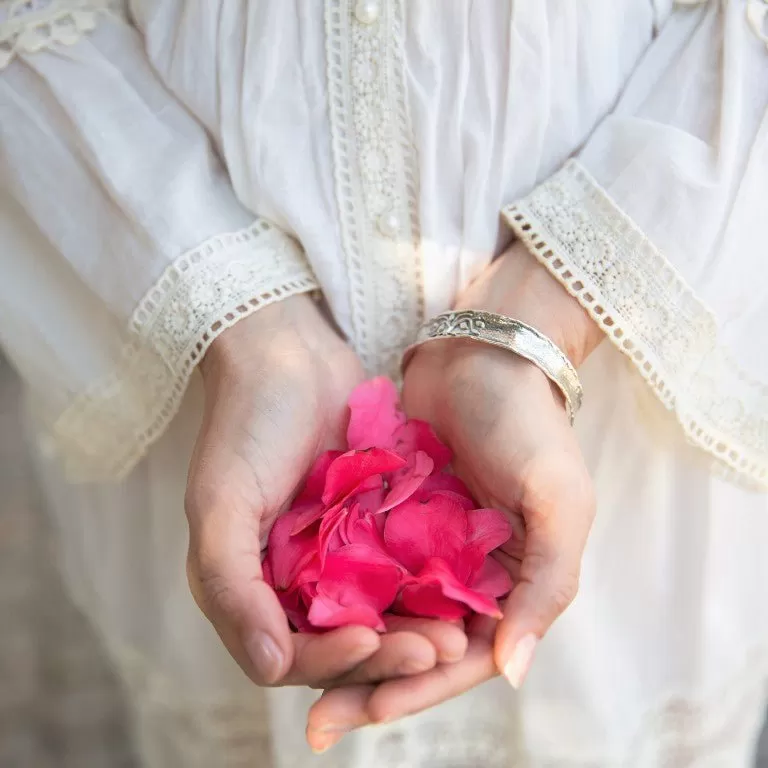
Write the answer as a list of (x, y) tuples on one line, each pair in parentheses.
[(515, 448), (276, 386)]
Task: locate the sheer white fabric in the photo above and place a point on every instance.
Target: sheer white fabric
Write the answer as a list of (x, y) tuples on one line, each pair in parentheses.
[(656, 230), (386, 145), (136, 251)]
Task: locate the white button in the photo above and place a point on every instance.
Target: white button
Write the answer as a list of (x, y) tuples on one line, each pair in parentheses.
[(389, 224), (367, 11)]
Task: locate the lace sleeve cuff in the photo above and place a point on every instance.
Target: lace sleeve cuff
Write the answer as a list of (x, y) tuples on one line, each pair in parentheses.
[(28, 26), (104, 432), (649, 313)]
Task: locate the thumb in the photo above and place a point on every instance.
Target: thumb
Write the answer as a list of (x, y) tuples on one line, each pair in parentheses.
[(225, 577), (558, 514)]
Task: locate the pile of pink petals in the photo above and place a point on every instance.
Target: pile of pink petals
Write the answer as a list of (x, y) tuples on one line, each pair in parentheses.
[(384, 528)]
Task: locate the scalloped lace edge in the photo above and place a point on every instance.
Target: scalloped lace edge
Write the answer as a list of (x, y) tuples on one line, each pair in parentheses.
[(595, 251), (108, 428), (30, 26)]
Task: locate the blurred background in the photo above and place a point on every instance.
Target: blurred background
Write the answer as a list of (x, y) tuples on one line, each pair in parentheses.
[(60, 704)]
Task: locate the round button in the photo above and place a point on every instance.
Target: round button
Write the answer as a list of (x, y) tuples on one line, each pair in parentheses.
[(367, 11), (389, 224)]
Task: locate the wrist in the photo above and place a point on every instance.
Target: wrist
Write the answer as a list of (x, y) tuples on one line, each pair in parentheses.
[(517, 286), (281, 325)]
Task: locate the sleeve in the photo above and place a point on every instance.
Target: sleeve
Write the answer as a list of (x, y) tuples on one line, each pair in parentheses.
[(658, 227), (123, 249)]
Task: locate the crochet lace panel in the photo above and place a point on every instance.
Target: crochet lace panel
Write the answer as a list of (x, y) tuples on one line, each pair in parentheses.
[(104, 432), (649, 313)]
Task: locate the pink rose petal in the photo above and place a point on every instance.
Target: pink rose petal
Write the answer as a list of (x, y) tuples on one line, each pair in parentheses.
[(428, 600), (364, 528), (359, 573), (330, 537), (375, 415), (327, 613), (488, 529), (416, 531), (437, 571), (306, 515), (315, 482), (348, 472), (295, 609), (370, 501), (442, 481), (288, 554), (408, 480), (416, 435), (492, 579), (266, 572)]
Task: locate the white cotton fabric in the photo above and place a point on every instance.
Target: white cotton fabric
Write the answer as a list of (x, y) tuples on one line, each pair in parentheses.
[(122, 149)]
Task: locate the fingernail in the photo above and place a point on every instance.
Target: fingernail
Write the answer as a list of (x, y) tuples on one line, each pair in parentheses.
[(265, 655), (335, 728), (325, 738), (519, 662), (412, 666)]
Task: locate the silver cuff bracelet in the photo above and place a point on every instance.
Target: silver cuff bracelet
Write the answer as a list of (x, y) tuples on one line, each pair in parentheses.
[(517, 337)]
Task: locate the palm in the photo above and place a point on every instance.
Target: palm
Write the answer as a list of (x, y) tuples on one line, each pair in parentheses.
[(269, 431)]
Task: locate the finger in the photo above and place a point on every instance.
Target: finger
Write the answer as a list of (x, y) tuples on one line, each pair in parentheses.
[(319, 658), (245, 612), (559, 515), (341, 710), (225, 577), (515, 545), (335, 713), (401, 653), (398, 698), (511, 564), (448, 638)]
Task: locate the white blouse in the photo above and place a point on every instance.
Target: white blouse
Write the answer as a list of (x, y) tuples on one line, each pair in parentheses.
[(170, 167)]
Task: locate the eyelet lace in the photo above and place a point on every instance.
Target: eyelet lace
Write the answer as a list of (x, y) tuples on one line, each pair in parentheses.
[(650, 314), (106, 430), (30, 26)]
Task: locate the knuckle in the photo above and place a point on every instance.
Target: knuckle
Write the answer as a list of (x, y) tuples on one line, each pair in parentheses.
[(565, 592), (556, 584), (211, 591), (201, 496)]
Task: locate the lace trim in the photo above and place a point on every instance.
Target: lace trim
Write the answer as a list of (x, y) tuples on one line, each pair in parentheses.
[(108, 428), (29, 26), (649, 313), (375, 175)]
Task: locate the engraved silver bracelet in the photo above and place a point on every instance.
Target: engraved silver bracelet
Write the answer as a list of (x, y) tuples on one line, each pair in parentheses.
[(509, 334)]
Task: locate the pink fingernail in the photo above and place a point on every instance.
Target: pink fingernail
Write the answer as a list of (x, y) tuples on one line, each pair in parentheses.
[(322, 743), (265, 655), (518, 664)]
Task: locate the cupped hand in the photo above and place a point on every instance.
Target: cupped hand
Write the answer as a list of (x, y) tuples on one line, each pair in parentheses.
[(276, 386), (515, 448)]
